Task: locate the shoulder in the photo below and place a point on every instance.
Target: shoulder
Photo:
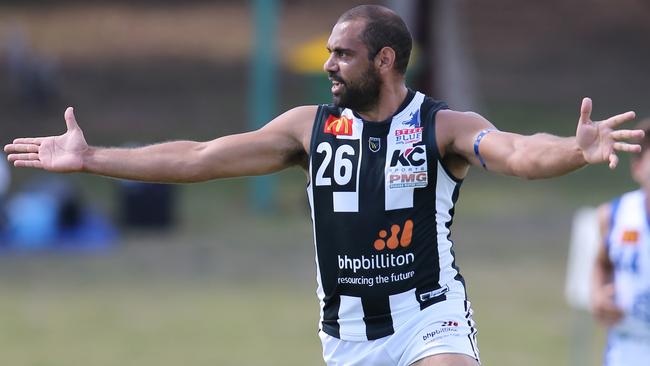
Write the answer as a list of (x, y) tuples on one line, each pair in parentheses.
[(302, 113), (432, 105), (456, 130), (451, 118), (295, 119), (293, 126)]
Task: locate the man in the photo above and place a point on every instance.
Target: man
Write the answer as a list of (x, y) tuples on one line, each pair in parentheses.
[(621, 276), (385, 165)]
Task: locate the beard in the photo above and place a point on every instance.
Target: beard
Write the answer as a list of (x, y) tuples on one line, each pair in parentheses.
[(359, 95)]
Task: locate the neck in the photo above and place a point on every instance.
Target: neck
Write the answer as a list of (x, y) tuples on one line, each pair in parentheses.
[(390, 98)]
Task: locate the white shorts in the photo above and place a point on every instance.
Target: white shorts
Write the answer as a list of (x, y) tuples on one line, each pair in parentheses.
[(626, 350), (445, 327)]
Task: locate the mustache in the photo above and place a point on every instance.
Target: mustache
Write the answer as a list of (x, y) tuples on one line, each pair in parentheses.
[(335, 77)]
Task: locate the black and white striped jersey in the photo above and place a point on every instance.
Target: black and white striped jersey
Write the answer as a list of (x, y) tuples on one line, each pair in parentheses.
[(382, 205)]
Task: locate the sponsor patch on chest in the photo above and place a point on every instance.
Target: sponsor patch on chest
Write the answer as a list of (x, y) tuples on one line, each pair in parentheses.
[(408, 136), (407, 168)]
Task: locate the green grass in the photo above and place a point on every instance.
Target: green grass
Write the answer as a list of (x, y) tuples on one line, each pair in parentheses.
[(87, 310), (158, 324)]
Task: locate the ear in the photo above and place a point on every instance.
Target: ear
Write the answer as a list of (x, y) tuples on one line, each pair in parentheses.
[(385, 59)]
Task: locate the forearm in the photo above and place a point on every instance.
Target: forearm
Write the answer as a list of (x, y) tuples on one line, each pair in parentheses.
[(247, 154), (169, 162), (601, 276), (545, 156)]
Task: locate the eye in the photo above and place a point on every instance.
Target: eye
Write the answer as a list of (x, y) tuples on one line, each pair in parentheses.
[(341, 53)]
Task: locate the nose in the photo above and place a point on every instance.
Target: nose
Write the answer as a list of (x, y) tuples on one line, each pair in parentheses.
[(329, 65)]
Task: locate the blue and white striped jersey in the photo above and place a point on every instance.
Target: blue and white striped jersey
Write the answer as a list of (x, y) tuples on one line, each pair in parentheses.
[(628, 247)]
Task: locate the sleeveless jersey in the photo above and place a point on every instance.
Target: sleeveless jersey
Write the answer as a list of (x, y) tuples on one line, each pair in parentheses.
[(382, 205), (628, 247)]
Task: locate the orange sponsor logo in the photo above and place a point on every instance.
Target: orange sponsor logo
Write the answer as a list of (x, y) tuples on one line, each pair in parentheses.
[(630, 237), (395, 239), (338, 126)]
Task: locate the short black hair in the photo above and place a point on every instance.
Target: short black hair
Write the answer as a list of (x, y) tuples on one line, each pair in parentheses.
[(383, 28)]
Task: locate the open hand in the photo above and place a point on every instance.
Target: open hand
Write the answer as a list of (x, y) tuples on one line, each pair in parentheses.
[(600, 140), (63, 153)]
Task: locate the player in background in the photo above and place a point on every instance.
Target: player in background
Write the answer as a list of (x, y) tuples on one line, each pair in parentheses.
[(385, 164), (621, 276)]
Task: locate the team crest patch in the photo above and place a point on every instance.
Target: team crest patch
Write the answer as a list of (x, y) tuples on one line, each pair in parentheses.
[(374, 143), (338, 126)]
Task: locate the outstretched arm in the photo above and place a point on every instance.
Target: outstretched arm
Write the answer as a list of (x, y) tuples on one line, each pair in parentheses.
[(542, 155), (603, 306), (281, 143)]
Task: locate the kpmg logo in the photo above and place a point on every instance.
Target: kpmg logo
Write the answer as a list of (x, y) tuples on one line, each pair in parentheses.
[(408, 168), (407, 180)]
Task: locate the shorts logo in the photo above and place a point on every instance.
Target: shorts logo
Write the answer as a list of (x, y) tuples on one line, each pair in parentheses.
[(393, 242), (630, 237), (447, 328), (408, 136), (374, 143), (338, 126)]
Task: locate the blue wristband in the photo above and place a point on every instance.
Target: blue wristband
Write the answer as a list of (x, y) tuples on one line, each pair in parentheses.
[(479, 137)]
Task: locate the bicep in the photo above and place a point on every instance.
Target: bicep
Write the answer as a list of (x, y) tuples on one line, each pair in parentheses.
[(276, 146), (475, 139), (480, 143)]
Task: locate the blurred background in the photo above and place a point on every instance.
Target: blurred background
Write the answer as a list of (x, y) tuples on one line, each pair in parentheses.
[(97, 271)]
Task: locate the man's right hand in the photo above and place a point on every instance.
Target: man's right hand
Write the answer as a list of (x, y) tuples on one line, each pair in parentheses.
[(63, 153)]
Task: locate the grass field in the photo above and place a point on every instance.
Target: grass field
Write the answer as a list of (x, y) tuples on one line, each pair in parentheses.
[(230, 288), (135, 320)]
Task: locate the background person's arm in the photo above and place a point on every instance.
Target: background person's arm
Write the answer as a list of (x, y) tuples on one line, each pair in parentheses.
[(282, 143), (542, 155), (603, 306)]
